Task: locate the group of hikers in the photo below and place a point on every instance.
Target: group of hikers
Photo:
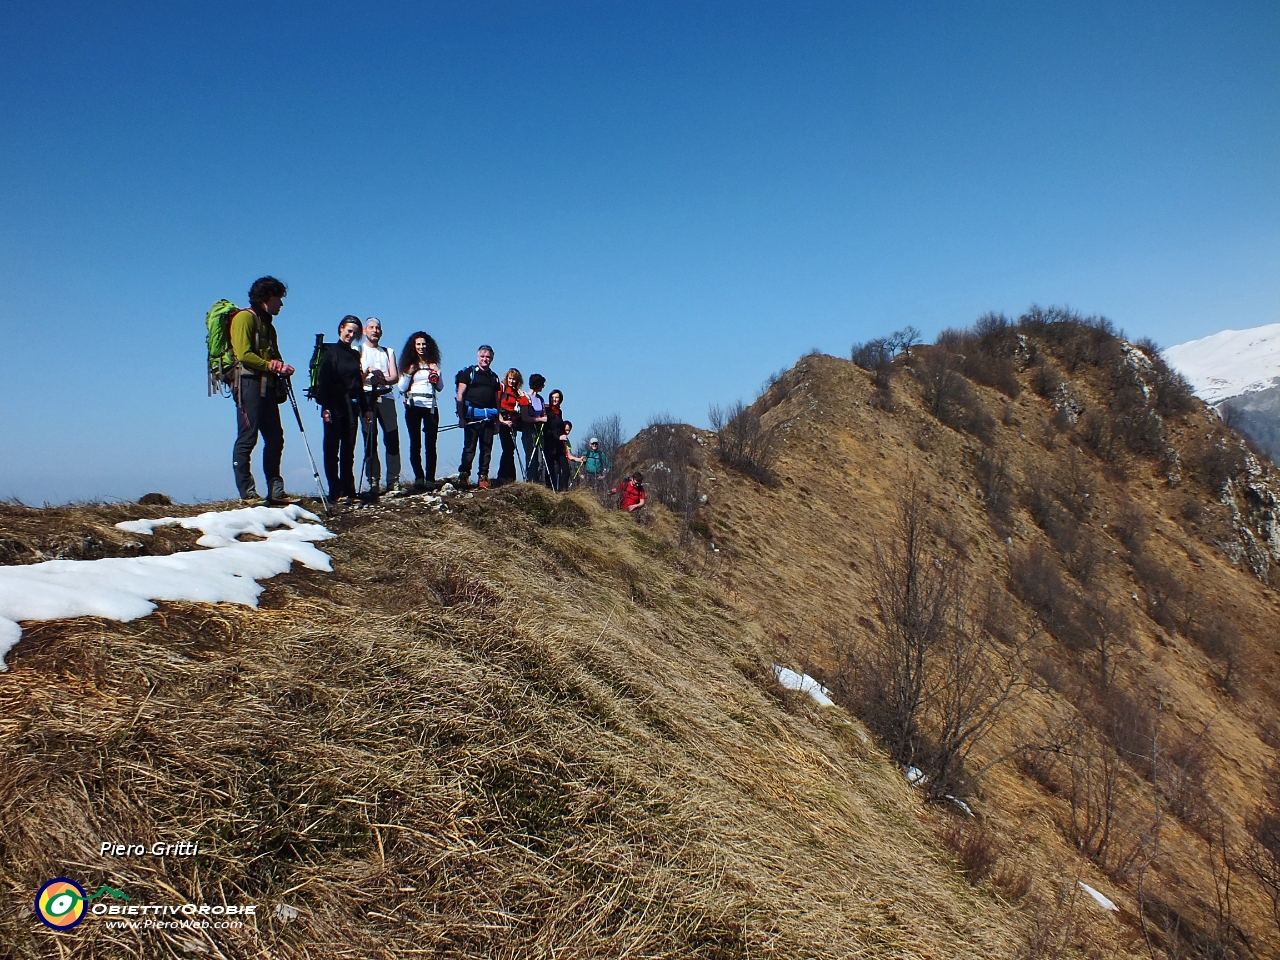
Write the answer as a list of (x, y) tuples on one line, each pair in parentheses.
[(355, 388)]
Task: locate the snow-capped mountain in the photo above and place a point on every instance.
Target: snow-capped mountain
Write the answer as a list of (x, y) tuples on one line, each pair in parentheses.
[(1229, 363), (1237, 371)]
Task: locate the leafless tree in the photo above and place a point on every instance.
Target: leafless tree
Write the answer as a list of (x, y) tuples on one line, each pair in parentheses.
[(943, 383), (930, 681), (743, 441), (905, 339), (1262, 855)]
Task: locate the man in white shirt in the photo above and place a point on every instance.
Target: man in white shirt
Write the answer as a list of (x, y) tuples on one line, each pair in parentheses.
[(380, 375)]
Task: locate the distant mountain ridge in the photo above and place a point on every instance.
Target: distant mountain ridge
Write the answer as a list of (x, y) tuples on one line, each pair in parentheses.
[(1230, 363), (1238, 373)]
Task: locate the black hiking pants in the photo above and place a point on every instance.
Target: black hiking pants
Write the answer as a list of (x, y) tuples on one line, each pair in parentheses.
[(384, 413), (480, 432), (558, 470), (532, 458), (507, 462), (257, 414), (340, 450), (424, 427)]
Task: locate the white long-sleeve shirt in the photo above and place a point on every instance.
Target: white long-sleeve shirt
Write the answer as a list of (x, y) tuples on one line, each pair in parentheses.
[(418, 390)]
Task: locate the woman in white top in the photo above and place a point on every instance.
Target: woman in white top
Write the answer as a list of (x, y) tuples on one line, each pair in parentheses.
[(419, 387), (380, 376)]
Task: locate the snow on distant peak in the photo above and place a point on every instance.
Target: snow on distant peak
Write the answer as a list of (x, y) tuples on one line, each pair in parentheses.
[(1229, 363), (123, 588), (802, 681)]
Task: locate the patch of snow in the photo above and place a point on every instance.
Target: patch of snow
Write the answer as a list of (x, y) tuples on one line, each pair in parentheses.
[(285, 912), (961, 804), (1230, 362), (803, 682), (1102, 901), (123, 588), (916, 776)]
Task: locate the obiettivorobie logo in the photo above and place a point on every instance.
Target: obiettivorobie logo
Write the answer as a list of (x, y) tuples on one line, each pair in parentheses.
[(60, 904)]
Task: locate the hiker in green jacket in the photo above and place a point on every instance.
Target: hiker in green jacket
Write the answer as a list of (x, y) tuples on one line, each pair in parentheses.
[(259, 387), (596, 463)]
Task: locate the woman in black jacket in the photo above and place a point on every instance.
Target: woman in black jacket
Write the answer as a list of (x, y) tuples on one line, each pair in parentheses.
[(553, 443), (340, 391)]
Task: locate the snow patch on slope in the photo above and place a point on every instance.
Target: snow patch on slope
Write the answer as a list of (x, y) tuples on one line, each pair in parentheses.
[(803, 682), (123, 588)]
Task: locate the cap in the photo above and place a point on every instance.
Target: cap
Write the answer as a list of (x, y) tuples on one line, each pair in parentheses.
[(594, 440)]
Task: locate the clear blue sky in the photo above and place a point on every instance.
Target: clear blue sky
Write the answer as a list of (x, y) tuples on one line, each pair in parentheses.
[(654, 204)]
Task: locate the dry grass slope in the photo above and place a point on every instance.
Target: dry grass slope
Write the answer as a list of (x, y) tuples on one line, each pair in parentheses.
[(528, 729), (1123, 530)]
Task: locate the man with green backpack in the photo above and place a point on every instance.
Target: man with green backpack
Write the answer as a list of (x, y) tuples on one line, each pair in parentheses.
[(259, 384)]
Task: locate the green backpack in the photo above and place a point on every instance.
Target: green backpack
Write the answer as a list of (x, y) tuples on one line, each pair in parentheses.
[(222, 360)]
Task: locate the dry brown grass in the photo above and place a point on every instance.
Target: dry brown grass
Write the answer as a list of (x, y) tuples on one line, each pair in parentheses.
[(518, 731), (800, 557)]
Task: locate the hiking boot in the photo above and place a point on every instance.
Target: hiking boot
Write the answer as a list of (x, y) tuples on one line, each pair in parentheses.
[(280, 498), (252, 500), (483, 484)]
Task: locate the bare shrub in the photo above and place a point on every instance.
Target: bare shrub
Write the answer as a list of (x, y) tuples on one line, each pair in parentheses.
[(929, 682), (1180, 775), (942, 382), (1262, 852), (1101, 817), (1046, 379), (1076, 486), (1219, 638), (1215, 462), (975, 848), (1172, 394), (1164, 591), (1131, 527), (951, 397), (1103, 631), (1087, 558), (670, 461), (905, 339), (744, 442), (995, 484), (1097, 433), (1129, 725), (1036, 578), (1056, 925), (1191, 510), (872, 355)]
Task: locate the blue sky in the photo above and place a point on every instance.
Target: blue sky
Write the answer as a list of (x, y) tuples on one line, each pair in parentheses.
[(654, 204)]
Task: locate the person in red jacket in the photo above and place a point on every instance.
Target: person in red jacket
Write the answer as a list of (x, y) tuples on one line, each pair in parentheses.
[(630, 493), (509, 398)]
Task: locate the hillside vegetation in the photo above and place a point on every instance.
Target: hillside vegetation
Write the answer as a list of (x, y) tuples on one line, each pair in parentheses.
[(1023, 560), (524, 729), (1040, 570)]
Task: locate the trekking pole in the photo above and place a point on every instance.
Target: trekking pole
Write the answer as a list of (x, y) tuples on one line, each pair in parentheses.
[(315, 471)]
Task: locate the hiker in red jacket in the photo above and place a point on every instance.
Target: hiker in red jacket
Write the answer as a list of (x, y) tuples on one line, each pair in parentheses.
[(630, 493)]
